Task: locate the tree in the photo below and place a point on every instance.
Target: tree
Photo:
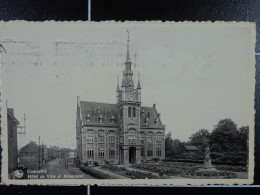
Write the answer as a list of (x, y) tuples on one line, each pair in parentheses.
[(224, 136), (243, 137), (173, 147), (200, 139), (168, 146)]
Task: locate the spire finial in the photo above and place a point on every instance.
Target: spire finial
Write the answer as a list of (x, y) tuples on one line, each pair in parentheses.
[(117, 89), (128, 60), (128, 40), (138, 85)]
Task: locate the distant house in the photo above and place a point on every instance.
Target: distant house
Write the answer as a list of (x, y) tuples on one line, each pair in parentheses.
[(54, 152), (12, 140), (72, 154), (191, 149), (45, 153), (30, 156)]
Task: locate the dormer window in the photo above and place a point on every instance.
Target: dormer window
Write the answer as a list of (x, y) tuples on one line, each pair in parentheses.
[(156, 121), (101, 118), (88, 117), (112, 119), (146, 120)]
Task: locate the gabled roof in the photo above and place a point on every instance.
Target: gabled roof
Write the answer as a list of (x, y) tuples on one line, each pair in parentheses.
[(30, 148), (93, 111), (150, 114), (191, 148), (11, 114)]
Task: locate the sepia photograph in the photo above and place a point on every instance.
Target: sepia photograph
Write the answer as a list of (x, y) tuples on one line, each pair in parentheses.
[(128, 103)]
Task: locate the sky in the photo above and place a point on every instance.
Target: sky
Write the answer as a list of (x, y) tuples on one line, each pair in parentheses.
[(195, 73)]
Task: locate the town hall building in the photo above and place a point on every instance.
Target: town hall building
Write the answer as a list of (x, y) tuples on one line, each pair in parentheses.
[(121, 133)]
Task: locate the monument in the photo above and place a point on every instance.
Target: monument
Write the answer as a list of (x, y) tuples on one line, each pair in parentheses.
[(207, 166)]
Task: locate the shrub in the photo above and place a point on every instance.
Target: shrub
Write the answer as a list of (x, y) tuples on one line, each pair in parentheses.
[(95, 173), (95, 163), (85, 164), (155, 159), (215, 155)]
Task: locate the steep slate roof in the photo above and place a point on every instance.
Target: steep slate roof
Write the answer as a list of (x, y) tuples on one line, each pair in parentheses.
[(95, 110), (11, 114), (191, 148), (30, 148), (152, 117)]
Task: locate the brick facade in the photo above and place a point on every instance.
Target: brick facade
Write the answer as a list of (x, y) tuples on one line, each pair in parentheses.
[(12, 140)]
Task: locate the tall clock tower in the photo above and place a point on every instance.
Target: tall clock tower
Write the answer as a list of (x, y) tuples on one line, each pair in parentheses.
[(128, 103)]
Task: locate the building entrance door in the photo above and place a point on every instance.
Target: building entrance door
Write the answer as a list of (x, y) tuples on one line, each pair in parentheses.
[(132, 155)]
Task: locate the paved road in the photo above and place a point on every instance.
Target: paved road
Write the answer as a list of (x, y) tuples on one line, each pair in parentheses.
[(56, 168)]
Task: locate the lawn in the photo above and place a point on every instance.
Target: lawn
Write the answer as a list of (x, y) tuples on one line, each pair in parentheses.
[(190, 169)]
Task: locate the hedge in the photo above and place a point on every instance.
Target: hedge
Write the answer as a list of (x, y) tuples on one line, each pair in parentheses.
[(95, 173)]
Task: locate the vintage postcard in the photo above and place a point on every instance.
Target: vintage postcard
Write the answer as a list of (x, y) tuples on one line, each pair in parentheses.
[(133, 103)]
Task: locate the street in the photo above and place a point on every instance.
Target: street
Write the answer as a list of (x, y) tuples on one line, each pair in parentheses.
[(57, 168)]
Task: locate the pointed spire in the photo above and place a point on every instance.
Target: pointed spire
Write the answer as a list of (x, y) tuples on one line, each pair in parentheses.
[(123, 82), (128, 60), (117, 89), (138, 85), (127, 53)]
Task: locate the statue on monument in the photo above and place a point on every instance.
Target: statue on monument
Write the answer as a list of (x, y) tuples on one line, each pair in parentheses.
[(207, 152), (207, 166)]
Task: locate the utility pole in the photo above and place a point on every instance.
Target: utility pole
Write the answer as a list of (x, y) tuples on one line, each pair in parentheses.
[(42, 152), (39, 155)]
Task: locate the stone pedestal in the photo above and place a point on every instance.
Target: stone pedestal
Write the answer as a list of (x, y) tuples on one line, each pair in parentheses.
[(207, 166)]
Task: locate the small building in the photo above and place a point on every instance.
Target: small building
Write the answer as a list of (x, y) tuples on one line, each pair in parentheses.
[(30, 156), (191, 149), (12, 124), (72, 154)]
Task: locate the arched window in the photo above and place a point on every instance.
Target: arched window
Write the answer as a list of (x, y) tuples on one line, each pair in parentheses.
[(111, 137), (150, 138), (132, 136), (101, 136), (134, 113), (141, 137), (158, 138), (129, 111), (121, 112), (90, 136)]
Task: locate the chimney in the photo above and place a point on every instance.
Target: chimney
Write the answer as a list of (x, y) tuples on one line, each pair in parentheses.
[(10, 111), (105, 113), (159, 115), (93, 111), (154, 106)]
